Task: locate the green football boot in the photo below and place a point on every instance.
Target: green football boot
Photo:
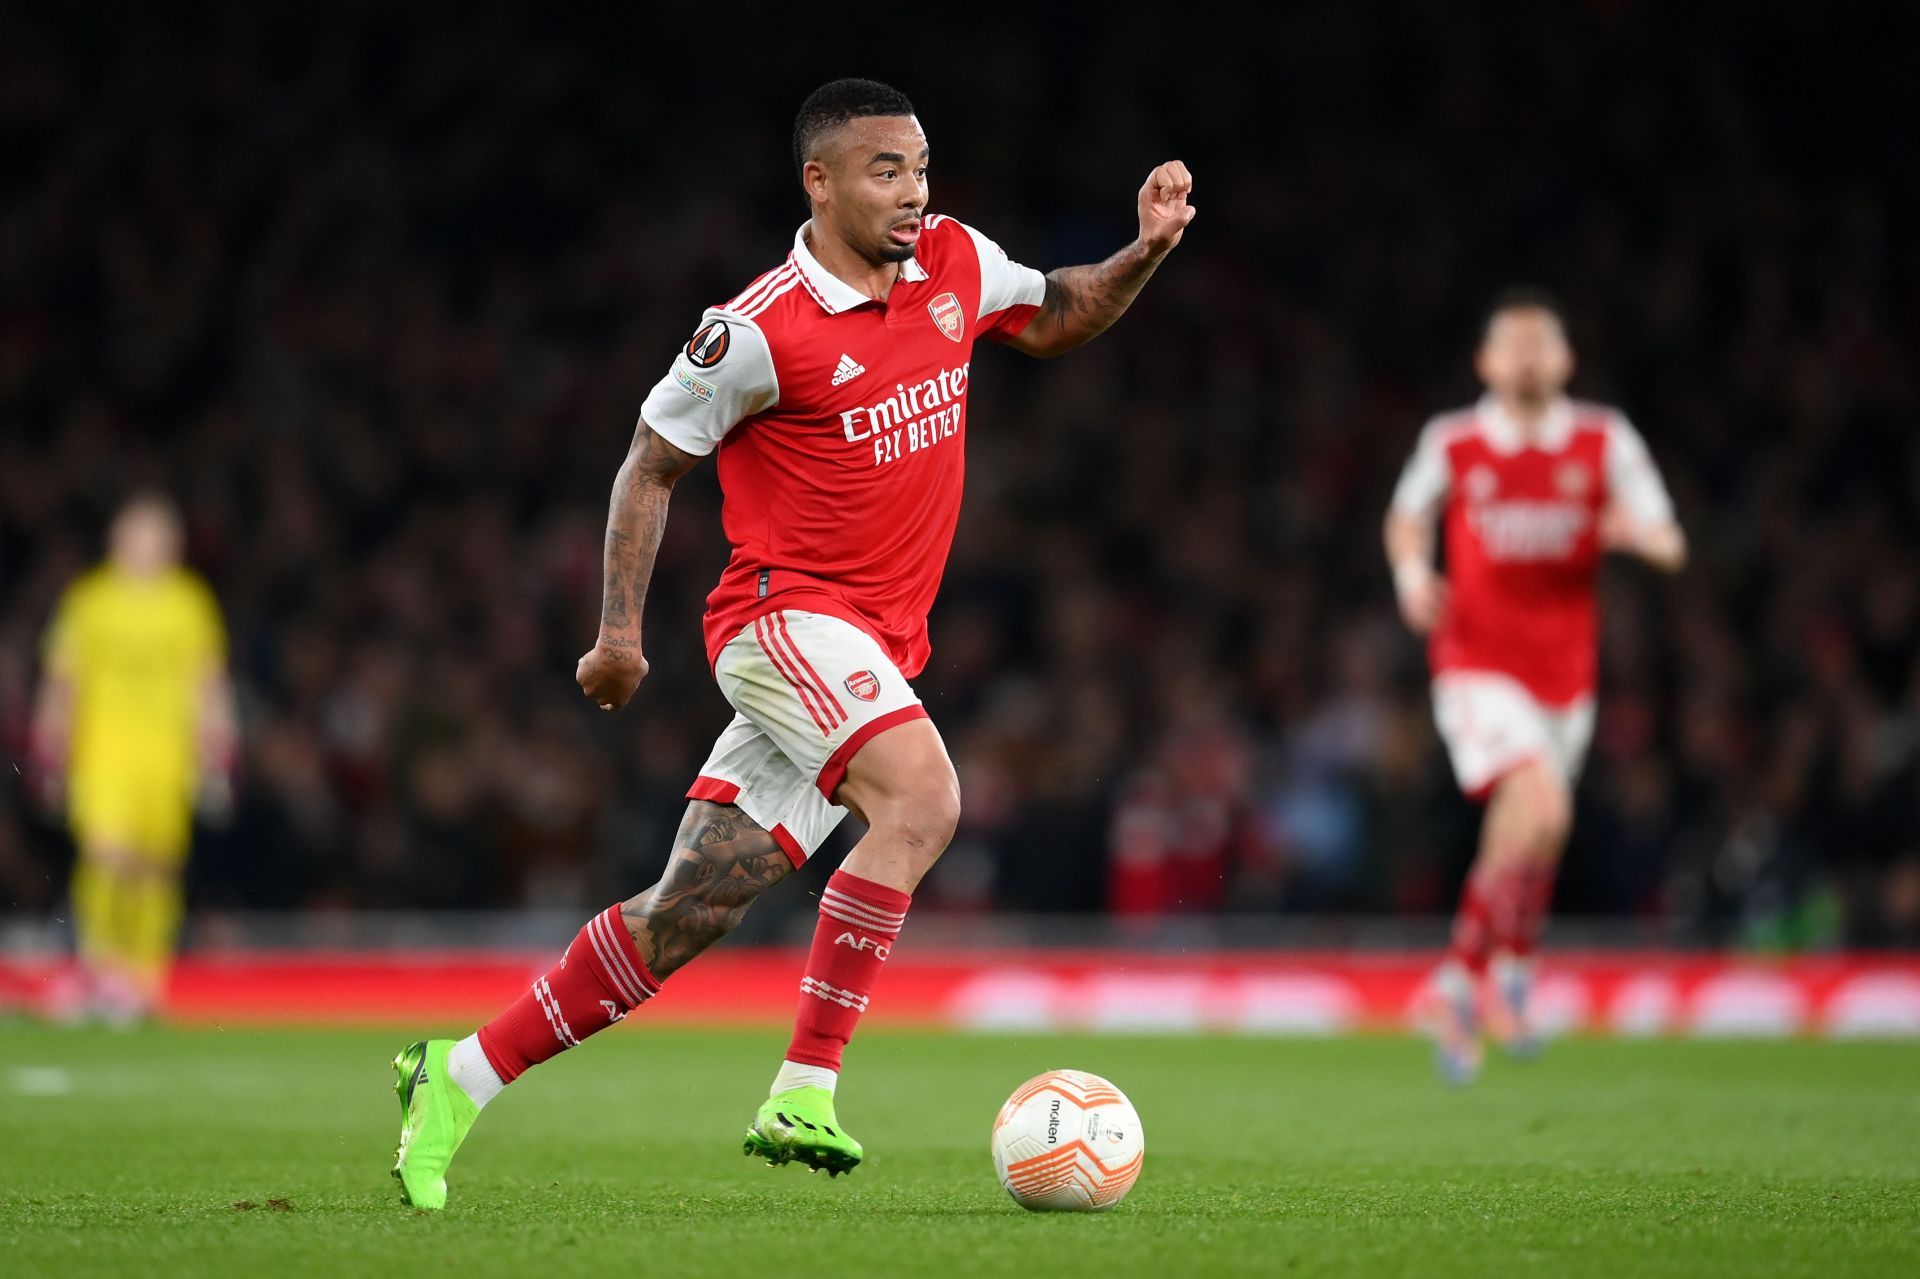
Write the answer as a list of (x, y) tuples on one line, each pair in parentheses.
[(435, 1116), (799, 1126)]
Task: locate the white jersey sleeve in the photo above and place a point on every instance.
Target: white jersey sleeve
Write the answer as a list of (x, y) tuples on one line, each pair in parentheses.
[(1633, 481), (1426, 479), (722, 376), (1003, 282)]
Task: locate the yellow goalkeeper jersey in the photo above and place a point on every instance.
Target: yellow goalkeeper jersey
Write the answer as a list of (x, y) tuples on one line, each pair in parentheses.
[(137, 654)]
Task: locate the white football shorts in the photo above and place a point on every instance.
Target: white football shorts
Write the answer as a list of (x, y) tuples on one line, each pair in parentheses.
[(809, 690), (1492, 724)]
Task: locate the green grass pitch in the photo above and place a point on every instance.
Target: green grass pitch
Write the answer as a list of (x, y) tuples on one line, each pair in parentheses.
[(133, 1153)]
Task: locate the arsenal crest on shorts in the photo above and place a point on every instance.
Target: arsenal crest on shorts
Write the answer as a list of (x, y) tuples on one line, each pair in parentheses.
[(946, 313), (865, 685)]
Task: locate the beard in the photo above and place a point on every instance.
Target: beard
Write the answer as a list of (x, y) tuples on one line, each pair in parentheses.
[(1532, 390)]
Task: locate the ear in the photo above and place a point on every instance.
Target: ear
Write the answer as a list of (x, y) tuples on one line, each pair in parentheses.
[(816, 181)]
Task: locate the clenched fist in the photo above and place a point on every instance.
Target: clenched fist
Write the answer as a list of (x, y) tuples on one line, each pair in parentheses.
[(611, 672)]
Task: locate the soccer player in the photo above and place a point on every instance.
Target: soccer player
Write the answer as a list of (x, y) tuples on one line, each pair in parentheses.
[(834, 390), (133, 721), (1531, 487)]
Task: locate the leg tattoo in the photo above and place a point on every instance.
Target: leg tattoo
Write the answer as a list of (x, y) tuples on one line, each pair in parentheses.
[(722, 861)]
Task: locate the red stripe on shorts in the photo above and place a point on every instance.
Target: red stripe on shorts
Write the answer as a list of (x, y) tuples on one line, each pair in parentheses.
[(819, 685), (770, 645), (714, 790), (834, 771), (789, 845)]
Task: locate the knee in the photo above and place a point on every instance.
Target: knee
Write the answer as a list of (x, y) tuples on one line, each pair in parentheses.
[(721, 864), (1552, 814), (925, 814)]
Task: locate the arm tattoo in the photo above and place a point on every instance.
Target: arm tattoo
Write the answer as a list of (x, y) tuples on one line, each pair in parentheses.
[(615, 611), (1082, 302), (721, 862), (636, 517)]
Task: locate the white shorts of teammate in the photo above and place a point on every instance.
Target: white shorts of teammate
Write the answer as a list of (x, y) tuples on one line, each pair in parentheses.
[(1492, 724), (809, 691)]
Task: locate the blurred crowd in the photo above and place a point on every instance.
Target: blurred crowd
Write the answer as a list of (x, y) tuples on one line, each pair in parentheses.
[(378, 302)]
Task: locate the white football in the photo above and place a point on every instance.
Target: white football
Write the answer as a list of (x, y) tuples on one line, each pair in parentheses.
[(1067, 1141)]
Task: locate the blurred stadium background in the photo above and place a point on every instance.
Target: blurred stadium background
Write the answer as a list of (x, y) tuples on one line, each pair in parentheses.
[(377, 298)]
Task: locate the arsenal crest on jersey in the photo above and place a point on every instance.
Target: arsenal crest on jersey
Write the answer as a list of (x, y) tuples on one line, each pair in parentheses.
[(946, 313), (1573, 480), (864, 685)]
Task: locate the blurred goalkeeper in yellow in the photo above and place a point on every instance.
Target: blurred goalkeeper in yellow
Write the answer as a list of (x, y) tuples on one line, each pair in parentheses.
[(134, 721)]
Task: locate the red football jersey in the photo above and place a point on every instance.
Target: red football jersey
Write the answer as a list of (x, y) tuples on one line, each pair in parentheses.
[(1521, 517), (841, 426)]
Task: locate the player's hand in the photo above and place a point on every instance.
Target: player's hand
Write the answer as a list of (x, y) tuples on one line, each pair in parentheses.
[(1617, 532), (611, 672), (1423, 600), (1661, 545), (1164, 211)]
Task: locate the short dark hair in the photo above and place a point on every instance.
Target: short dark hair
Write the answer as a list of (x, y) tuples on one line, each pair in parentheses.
[(1524, 297), (835, 103)]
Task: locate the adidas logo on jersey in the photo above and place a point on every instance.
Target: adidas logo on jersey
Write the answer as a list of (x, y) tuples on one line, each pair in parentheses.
[(847, 371)]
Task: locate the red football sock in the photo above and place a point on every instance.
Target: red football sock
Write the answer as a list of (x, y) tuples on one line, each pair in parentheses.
[(1472, 929), (597, 982), (1505, 893), (859, 922), (1535, 897)]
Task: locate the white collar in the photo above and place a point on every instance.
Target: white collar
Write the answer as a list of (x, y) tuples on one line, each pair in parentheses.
[(833, 293), (1506, 435)]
